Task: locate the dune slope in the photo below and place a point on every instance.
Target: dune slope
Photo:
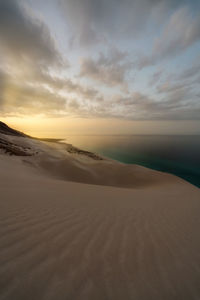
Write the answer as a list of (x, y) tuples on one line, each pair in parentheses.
[(66, 162), (68, 240), (62, 240)]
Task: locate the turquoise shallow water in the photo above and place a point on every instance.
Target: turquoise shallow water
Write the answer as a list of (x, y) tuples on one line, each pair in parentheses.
[(179, 155)]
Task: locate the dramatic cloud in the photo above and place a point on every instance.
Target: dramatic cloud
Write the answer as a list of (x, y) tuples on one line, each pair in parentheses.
[(3, 80), (39, 92), (63, 83), (23, 99), (109, 69), (93, 21), (191, 72), (156, 77), (25, 37), (107, 77), (181, 32), (175, 105), (27, 49)]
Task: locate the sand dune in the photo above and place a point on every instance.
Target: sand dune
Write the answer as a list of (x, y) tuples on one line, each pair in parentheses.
[(68, 240), (65, 162)]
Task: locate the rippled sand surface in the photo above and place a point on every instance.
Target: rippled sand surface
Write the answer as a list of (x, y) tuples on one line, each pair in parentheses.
[(76, 227), (62, 240)]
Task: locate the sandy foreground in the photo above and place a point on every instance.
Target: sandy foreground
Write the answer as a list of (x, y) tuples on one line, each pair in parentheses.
[(75, 226)]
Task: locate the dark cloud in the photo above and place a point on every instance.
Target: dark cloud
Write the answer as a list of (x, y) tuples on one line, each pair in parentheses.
[(110, 69), (27, 50), (155, 78), (191, 72), (24, 98), (177, 101), (40, 93), (65, 84), (167, 87), (39, 89), (180, 104), (181, 32), (3, 80), (93, 20), (24, 36)]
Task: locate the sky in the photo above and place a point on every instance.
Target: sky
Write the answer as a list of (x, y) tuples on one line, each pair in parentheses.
[(100, 66)]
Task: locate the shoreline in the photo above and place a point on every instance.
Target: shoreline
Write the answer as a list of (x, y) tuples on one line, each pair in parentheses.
[(183, 168)]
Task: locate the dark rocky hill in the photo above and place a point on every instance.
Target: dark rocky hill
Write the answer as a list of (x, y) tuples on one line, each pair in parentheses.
[(5, 129)]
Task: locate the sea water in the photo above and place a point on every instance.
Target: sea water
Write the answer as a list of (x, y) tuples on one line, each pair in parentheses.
[(176, 154)]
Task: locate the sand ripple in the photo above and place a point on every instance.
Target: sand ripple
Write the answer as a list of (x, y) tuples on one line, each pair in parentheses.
[(93, 242)]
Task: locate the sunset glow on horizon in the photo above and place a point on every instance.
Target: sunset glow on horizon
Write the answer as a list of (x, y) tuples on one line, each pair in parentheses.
[(100, 67)]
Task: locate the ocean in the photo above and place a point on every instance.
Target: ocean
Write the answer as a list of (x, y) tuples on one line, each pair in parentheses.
[(176, 154)]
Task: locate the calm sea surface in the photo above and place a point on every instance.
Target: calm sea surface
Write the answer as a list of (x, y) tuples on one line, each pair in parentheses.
[(176, 154)]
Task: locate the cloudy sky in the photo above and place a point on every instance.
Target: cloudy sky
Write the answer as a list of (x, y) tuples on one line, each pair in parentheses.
[(131, 64)]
